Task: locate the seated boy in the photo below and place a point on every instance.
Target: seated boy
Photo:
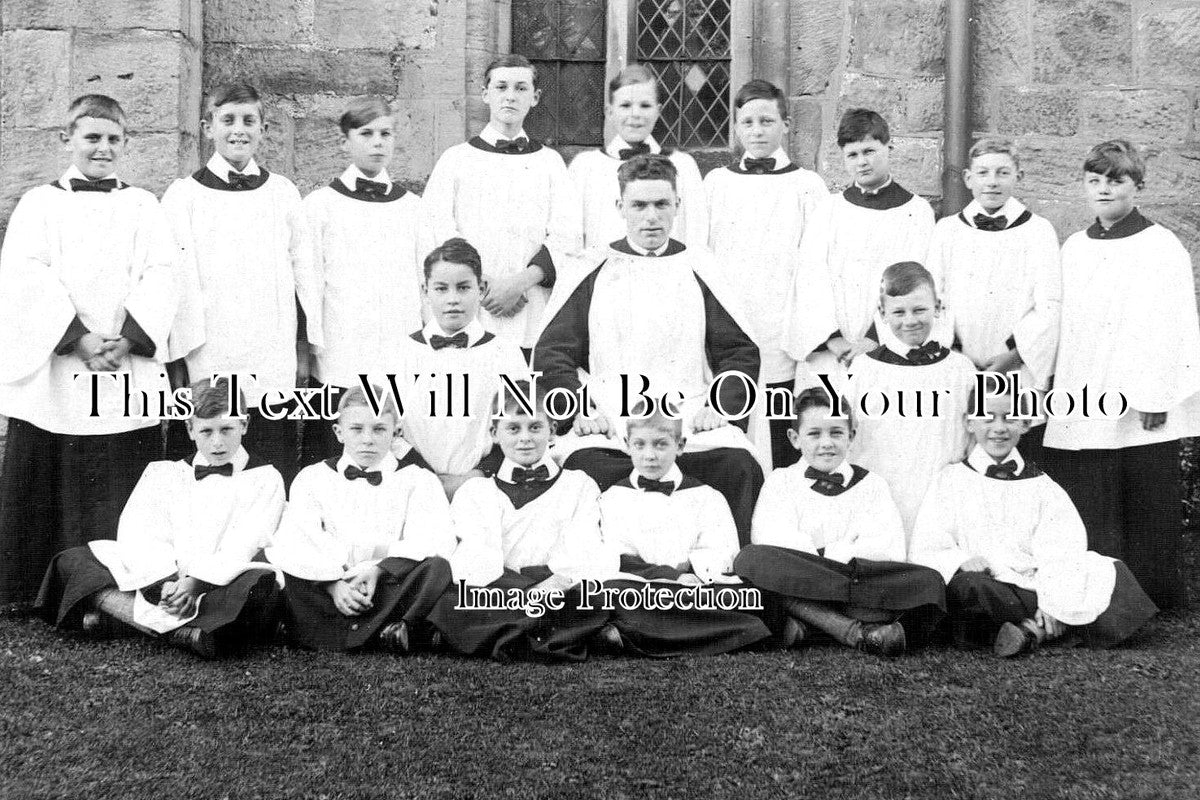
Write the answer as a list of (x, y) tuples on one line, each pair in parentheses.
[(1014, 552), (669, 527), (533, 527), (649, 310), (828, 543), (911, 391), (182, 565), (87, 288), (364, 541)]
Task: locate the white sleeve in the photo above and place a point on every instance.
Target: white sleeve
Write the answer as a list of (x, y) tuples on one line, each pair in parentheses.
[(251, 528), (1073, 584), (306, 269), (878, 534), (935, 533), (479, 557), (153, 297), (306, 545), (145, 548), (187, 332), (438, 201), (427, 527), (1036, 333), (811, 310), (776, 520), (579, 552), (565, 234), (717, 544), (694, 209)]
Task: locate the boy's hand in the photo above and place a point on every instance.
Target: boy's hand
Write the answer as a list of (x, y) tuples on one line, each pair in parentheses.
[(705, 572), (347, 599), (1152, 420), (864, 346), (555, 583), (505, 296), (91, 350), (451, 482), (707, 419), (838, 346), (364, 578), (180, 597), (597, 423), (116, 350), (1008, 361), (1053, 627), (976, 564)]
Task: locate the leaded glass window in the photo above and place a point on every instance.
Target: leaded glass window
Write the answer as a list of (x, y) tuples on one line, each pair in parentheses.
[(565, 40), (686, 44)]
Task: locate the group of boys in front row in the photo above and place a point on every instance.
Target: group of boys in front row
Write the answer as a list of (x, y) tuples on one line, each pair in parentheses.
[(98, 282)]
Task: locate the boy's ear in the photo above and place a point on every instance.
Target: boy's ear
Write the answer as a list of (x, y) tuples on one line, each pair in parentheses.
[(64, 137), (682, 441), (537, 96), (483, 285), (967, 177)]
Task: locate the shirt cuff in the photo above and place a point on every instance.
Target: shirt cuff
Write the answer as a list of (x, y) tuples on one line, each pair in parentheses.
[(75, 331), (140, 343)]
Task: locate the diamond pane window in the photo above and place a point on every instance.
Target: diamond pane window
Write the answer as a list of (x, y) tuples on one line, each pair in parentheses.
[(565, 41), (686, 44)]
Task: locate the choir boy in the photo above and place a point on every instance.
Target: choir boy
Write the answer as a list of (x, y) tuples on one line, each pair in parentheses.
[(510, 196), (1013, 549), (911, 390), (758, 208), (634, 105), (651, 309), (364, 227), (88, 288), (1128, 325), (365, 538), (532, 529), (828, 543), (670, 528), (183, 565), (853, 235), (247, 257)]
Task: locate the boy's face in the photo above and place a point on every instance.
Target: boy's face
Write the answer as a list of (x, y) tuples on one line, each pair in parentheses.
[(634, 110), (992, 178), (236, 130), (522, 439), (653, 449), (649, 209), (1111, 199), (867, 162), (761, 128), (365, 437), (453, 292), (997, 433), (822, 441), (217, 438), (510, 94), (911, 316), (370, 147), (96, 146)]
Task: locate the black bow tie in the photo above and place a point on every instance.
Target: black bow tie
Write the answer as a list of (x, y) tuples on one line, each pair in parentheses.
[(240, 180), (538, 473), (83, 185), (1005, 470), (650, 485), (759, 166), (373, 188), (203, 471), (374, 477), (517, 145), (926, 353), (826, 483), (639, 149), (458, 341), (985, 223)]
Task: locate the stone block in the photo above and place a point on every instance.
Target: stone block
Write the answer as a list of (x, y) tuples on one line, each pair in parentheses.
[(31, 157), (156, 15), (35, 78), (1000, 42), (925, 109), (141, 69), (227, 21), (1168, 42), (1172, 173), (909, 106), (1067, 216), (917, 164), (1015, 110), (376, 24), (1082, 41), (154, 160), (292, 71), (277, 151), (1053, 167), (804, 135), (816, 28), (318, 155), (900, 38), (1138, 114)]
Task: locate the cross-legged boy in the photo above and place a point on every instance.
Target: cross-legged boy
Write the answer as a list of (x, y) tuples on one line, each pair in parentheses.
[(1129, 325), (1014, 552), (87, 287), (828, 544), (183, 563), (652, 308), (364, 542), (247, 257), (671, 529)]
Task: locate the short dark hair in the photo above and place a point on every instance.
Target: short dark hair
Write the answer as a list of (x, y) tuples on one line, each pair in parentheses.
[(97, 106), (455, 251), (817, 397), (236, 92), (363, 111), (651, 167), (1116, 158), (759, 89), (858, 124), (510, 60), (632, 75), (905, 277), (507, 401), (211, 399)]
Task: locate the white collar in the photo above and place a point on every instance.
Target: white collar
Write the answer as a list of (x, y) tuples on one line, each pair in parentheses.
[(980, 460), (239, 460), (73, 173), (1011, 209), (353, 175), (491, 135), (507, 466), (873, 192), (386, 464), (844, 469), (474, 330), (641, 251), (618, 144), (893, 343), (218, 166), (780, 155), (674, 475)]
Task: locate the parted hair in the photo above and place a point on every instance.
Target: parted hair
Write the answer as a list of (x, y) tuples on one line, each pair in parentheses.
[(858, 124), (994, 144), (650, 167), (97, 106), (817, 397), (363, 111), (211, 400), (237, 92), (454, 251), (758, 89), (631, 75), (1116, 158), (905, 277), (510, 60)]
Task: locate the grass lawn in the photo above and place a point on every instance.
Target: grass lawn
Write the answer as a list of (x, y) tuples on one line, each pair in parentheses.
[(129, 718)]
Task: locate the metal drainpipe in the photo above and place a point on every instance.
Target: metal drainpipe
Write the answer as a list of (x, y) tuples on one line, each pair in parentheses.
[(957, 106)]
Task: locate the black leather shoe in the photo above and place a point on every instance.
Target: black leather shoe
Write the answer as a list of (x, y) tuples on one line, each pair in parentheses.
[(1013, 640), (608, 640), (887, 641), (793, 633), (197, 641), (395, 638)]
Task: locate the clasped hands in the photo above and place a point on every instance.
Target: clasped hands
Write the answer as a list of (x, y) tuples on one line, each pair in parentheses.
[(353, 594), (102, 353)]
